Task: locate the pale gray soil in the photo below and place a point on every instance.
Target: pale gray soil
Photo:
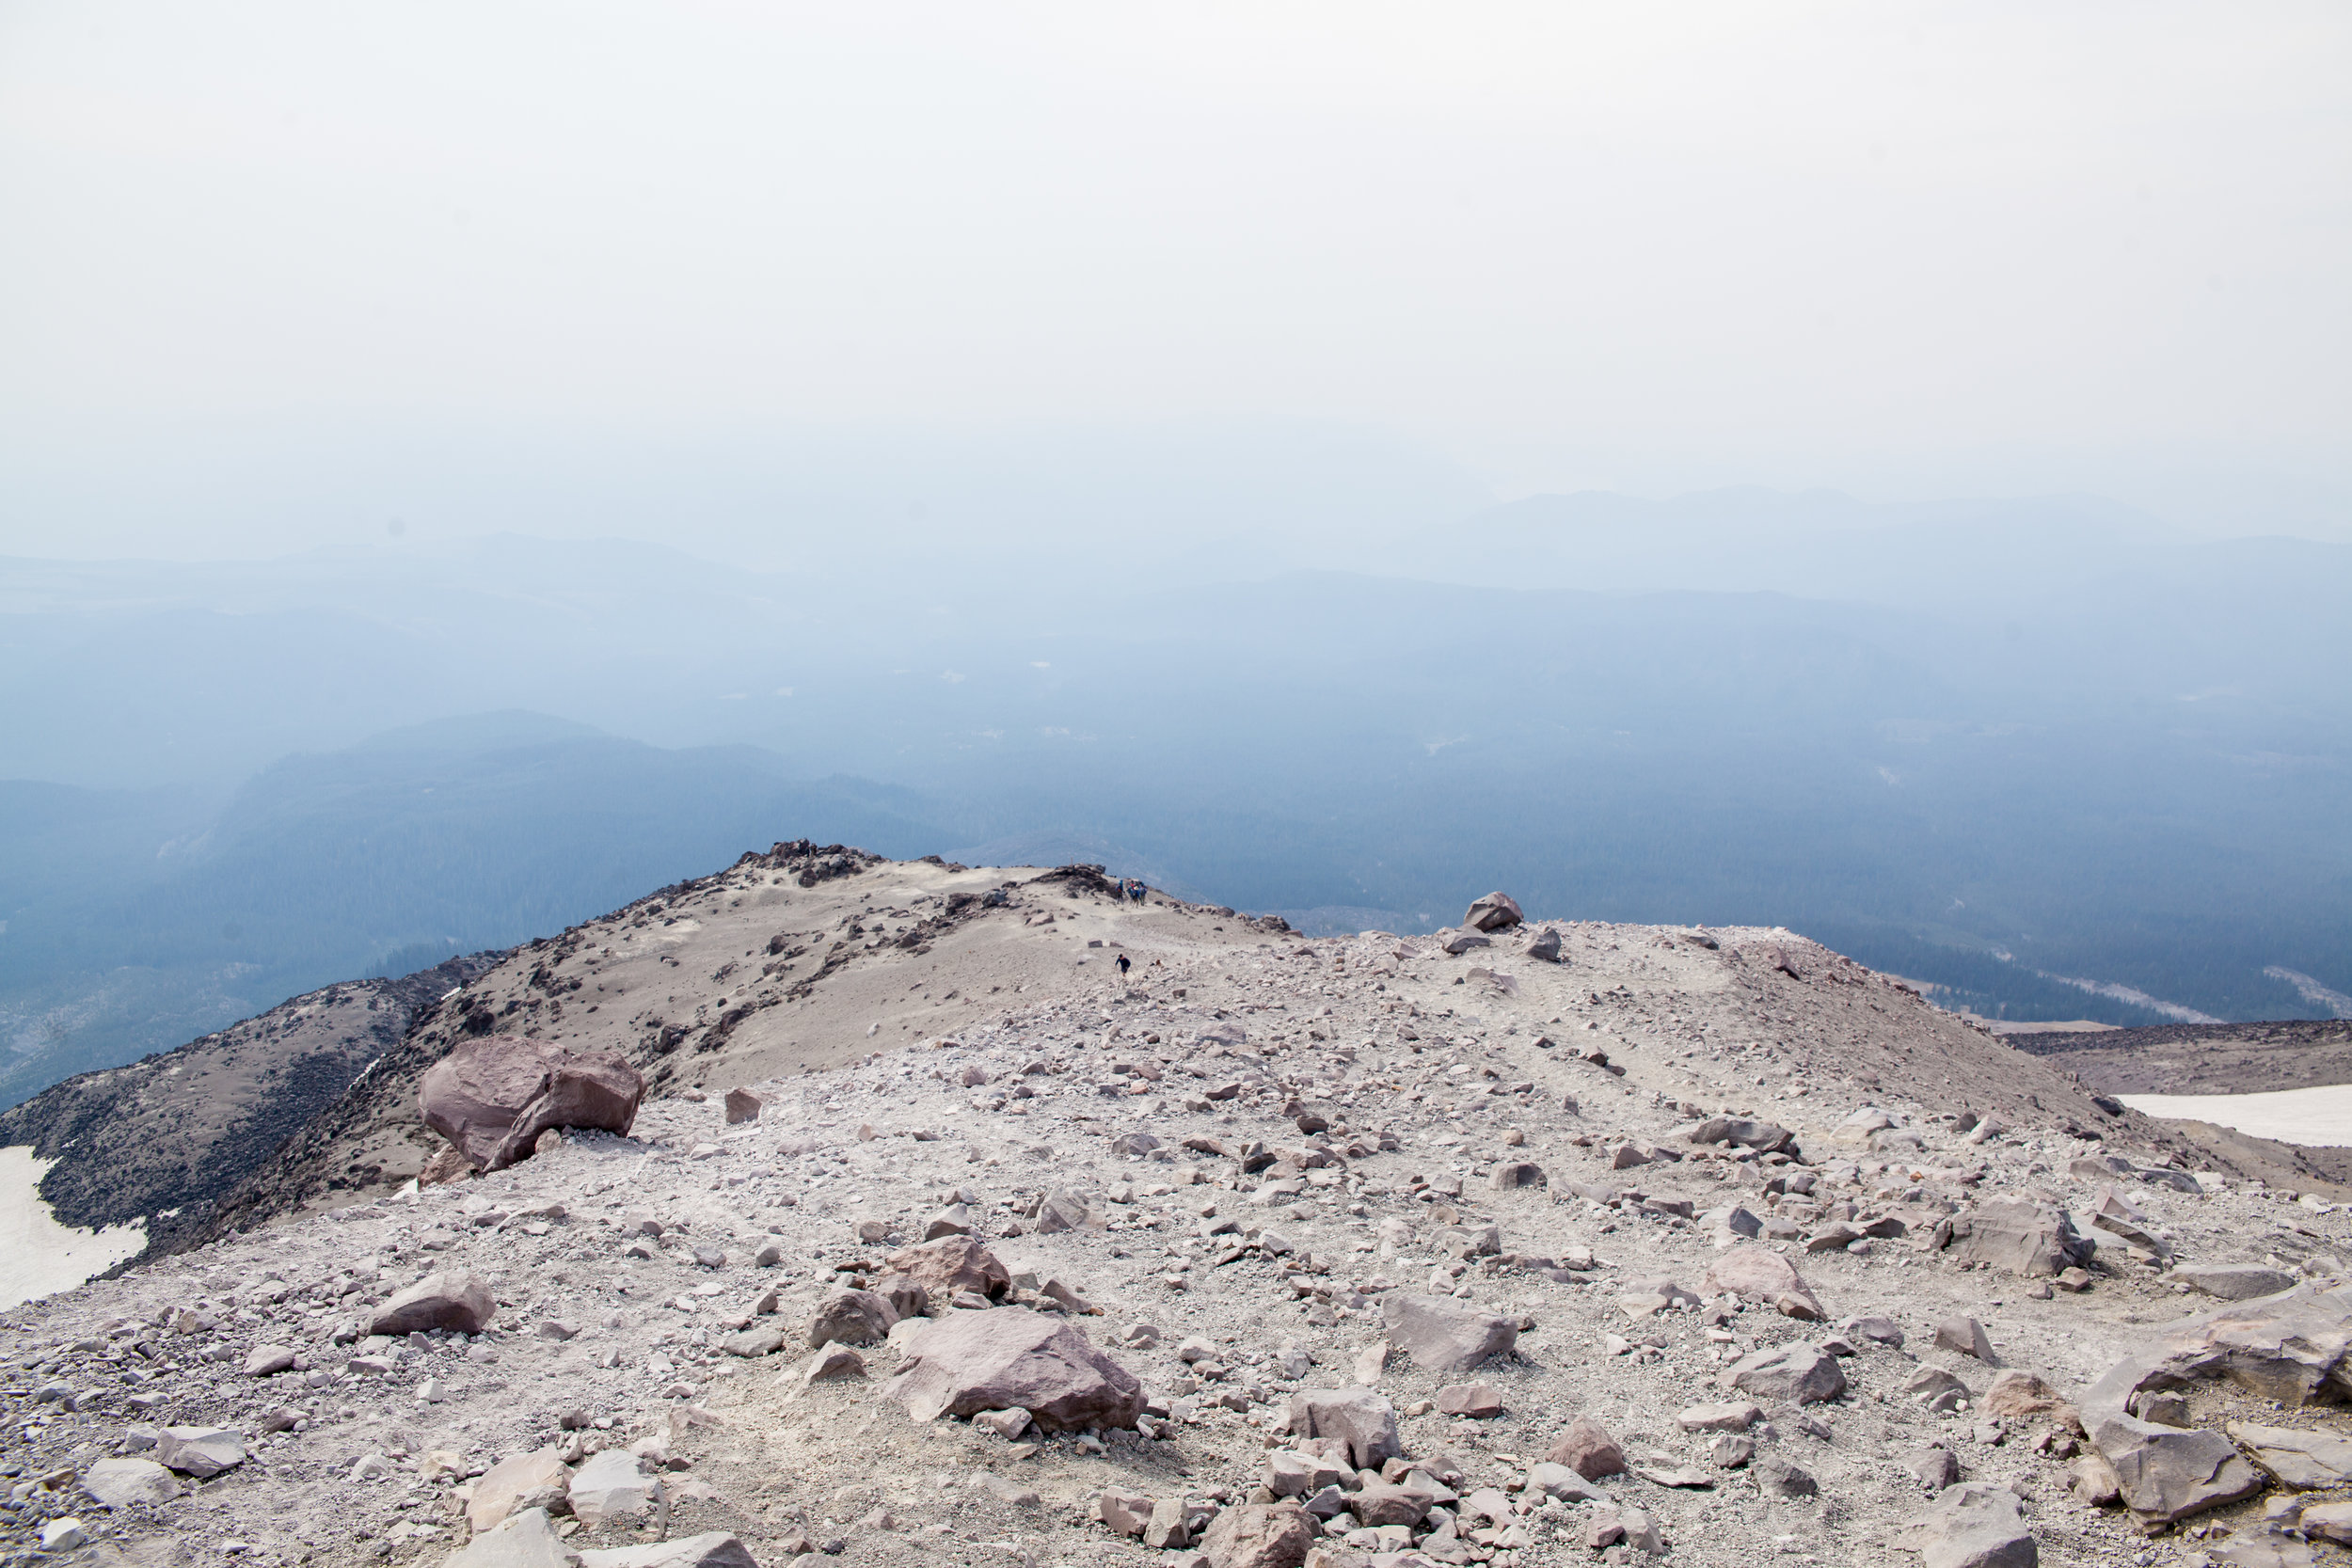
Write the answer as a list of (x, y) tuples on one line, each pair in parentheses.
[(1381, 1037)]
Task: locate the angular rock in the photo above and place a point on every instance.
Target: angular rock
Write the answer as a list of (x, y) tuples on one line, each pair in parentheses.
[(1736, 1416), (1125, 1513), (2016, 1394), (1878, 1331), (453, 1299), (1459, 942), (2024, 1237), (525, 1540), (492, 1096), (1497, 912), (1010, 1357), (1759, 1274), (1476, 1400), (1260, 1535), (2330, 1521), (1517, 1173), (503, 1485), (743, 1106), (1380, 1502), (1169, 1529), (1546, 947), (1443, 1334), (954, 1220), (2293, 1347), (1356, 1417), (951, 1263), (1587, 1449), (1782, 1479), (850, 1318), (2233, 1281), (610, 1484), (268, 1360), (2305, 1461), (1934, 1466), (120, 1482), (1794, 1373), (1971, 1525), (1742, 1132), (831, 1364), (711, 1549), (753, 1342), (2163, 1473), (199, 1452), (1007, 1424), (1965, 1335)]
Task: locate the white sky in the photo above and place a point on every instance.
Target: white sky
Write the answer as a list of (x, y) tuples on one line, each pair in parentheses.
[(1907, 251)]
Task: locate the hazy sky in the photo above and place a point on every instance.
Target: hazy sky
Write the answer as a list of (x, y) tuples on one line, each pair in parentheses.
[(273, 272)]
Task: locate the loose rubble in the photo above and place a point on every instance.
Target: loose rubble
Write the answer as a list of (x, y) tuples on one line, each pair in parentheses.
[(1235, 1261)]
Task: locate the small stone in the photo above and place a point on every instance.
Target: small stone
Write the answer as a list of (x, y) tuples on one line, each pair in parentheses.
[(743, 1106), (1006, 1424), (1125, 1513), (1477, 1401), (63, 1535)]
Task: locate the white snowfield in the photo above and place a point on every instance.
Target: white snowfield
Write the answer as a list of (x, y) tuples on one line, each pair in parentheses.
[(38, 1254), (2316, 1118)]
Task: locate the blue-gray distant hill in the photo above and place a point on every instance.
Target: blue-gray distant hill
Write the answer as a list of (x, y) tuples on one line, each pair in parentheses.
[(138, 920)]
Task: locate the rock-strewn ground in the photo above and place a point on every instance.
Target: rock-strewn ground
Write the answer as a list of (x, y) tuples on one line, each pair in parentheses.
[(1472, 1147)]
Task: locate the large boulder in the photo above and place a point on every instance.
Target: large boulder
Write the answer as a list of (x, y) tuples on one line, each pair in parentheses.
[(1011, 1357), (451, 1299), (941, 1268), (1794, 1373), (1759, 1274), (1260, 1535), (1357, 1416), (1971, 1525), (1443, 1335), (2024, 1235), (493, 1096), (1497, 912)]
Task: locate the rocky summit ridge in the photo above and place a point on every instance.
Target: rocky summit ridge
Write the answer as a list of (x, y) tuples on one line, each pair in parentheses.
[(939, 1238)]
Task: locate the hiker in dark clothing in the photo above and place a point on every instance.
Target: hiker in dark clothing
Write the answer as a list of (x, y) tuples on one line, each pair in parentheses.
[(1122, 966)]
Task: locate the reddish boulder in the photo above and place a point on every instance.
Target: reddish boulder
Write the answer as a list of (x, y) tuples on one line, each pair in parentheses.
[(1260, 1535), (1010, 1358), (1587, 1449), (1494, 913), (492, 1096), (941, 1268)]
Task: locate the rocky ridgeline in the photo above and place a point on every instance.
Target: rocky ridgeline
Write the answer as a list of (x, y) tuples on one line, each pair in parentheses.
[(1252, 1259)]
